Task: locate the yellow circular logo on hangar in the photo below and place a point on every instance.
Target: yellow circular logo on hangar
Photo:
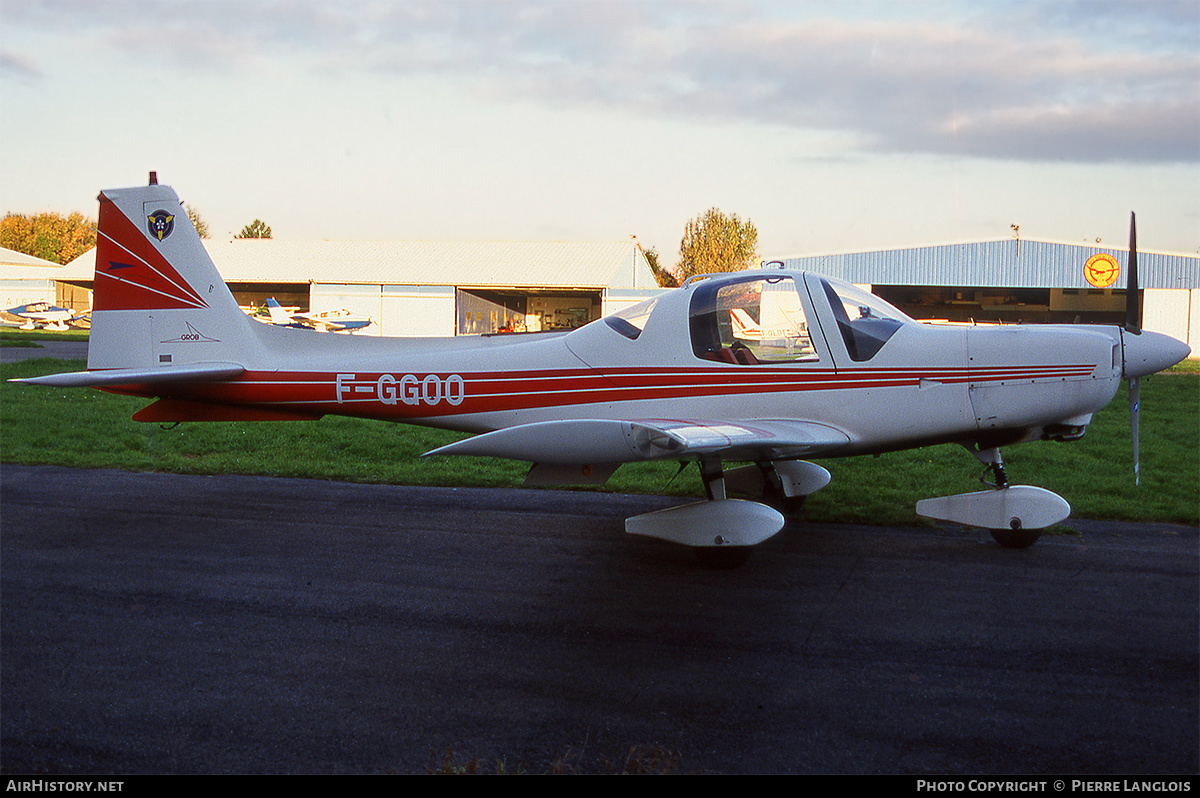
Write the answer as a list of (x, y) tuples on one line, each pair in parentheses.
[(1101, 270)]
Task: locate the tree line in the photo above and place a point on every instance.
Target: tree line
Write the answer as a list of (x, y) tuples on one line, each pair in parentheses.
[(61, 239), (49, 236), (712, 242)]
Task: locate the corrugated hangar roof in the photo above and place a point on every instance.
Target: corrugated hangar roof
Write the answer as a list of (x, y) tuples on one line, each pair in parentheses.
[(17, 265), (1012, 263), (566, 264)]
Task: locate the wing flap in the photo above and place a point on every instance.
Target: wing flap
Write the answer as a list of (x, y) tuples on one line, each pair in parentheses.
[(574, 441), (772, 439)]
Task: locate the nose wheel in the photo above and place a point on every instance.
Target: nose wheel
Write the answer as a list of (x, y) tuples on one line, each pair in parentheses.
[(1014, 514), (1015, 537), (723, 557)]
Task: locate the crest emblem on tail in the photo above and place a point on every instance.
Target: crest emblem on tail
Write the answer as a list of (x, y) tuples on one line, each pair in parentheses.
[(161, 224)]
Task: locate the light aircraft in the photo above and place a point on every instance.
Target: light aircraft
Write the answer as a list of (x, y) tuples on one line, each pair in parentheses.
[(278, 314), (842, 373), (35, 313), (326, 321)]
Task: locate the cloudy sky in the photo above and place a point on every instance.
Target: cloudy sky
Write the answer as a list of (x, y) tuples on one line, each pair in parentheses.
[(830, 126)]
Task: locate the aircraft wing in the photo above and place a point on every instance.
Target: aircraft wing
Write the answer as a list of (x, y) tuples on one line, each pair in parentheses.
[(98, 379), (612, 441)]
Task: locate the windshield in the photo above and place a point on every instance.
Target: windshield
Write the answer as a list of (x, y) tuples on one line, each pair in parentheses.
[(632, 320), (865, 321)]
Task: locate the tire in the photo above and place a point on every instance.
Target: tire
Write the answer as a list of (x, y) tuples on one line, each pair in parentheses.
[(723, 557), (1016, 538)]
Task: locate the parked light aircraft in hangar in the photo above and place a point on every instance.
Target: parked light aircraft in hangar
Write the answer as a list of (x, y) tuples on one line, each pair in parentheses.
[(35, 313), (326, 321), (766, 368)]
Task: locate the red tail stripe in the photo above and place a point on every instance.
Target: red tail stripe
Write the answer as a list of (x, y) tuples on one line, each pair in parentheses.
[(130, 273)]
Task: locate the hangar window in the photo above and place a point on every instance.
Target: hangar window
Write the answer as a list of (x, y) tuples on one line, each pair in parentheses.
[(865, 321), (750, 321)]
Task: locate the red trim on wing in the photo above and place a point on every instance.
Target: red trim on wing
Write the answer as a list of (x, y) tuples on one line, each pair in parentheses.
[(131, 274)]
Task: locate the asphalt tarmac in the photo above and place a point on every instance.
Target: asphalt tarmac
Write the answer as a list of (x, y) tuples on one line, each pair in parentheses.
[(155, 623), (67, 350)]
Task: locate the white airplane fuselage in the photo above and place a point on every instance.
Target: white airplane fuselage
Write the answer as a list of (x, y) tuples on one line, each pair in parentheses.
[(927, 384), (689, 374)]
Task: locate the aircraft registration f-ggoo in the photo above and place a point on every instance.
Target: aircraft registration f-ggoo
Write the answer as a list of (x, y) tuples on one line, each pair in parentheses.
[(763, 368)]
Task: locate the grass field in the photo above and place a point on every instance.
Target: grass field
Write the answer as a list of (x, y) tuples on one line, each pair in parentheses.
[(15, 336), (91, 429)]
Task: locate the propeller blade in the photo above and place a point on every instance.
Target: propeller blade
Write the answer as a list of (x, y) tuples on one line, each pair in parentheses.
[(1133, 324), (1135, 401), (1133, 294)]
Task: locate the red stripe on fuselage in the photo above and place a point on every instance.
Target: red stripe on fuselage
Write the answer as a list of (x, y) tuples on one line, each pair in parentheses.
[(393, 395)]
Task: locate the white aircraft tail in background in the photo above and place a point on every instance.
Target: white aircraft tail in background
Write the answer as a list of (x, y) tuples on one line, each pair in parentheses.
[(326, 321), (279, 315)]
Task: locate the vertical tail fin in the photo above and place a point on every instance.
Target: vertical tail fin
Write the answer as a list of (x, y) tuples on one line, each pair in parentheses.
[(158, 300), (278, 314)]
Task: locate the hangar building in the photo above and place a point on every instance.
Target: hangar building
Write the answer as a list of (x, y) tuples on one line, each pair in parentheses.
[(1022, 280), (25, 279), (426, 288)]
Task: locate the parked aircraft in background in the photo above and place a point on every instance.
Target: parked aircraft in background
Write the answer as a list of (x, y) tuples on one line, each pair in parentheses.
[(326, 321), (39, 313), (278, 314), (839, 372)]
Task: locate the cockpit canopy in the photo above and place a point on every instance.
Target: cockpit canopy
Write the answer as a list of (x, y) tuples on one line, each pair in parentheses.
[(761, 318), (865, 321), (750, 321), (764, 317)]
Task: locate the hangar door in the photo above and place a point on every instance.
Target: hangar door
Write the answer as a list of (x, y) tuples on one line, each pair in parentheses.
[(485, 311), (396, 310)]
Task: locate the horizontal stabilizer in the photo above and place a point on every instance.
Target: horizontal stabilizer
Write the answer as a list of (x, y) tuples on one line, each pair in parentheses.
[(722, 522), (195, 372), (1015, 507)]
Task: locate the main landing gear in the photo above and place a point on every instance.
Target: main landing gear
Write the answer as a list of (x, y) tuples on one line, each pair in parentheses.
[(721, 530), (1014, 514), (724, 530), (724, 553)]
